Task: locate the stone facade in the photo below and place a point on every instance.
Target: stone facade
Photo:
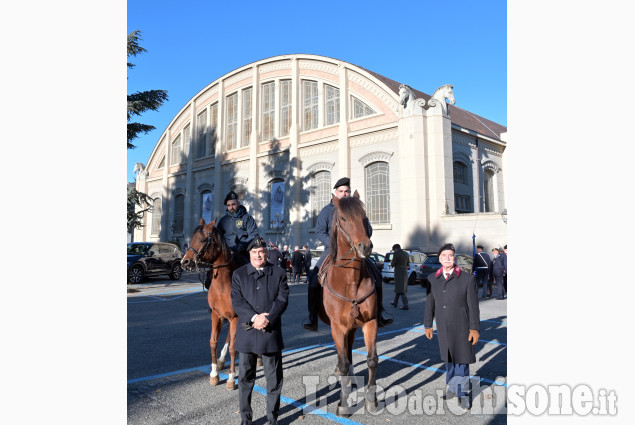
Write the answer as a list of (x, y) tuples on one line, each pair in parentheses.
[(410, 160)]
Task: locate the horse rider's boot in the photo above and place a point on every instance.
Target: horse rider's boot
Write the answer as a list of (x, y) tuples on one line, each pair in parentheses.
[(208, 279), (313, 299), (382, 320)]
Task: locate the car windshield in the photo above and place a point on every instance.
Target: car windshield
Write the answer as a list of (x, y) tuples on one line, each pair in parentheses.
[(431, 260), (137, 249)]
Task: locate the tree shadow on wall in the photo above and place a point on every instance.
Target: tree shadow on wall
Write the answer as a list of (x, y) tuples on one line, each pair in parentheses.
[(432, 241)]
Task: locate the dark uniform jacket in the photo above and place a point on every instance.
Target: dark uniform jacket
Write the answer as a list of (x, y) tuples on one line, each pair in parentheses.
[(252, 294), (499, 265), (482, 261), (454, 306), (400, 260), (239, 229), (297, 261), (323, 229), (274, 257)]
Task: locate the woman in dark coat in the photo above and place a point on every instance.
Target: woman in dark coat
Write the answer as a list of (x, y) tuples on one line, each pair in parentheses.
[(400, 259), (453, 302)]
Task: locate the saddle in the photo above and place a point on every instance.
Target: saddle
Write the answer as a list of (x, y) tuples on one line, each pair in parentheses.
[(324, 268)]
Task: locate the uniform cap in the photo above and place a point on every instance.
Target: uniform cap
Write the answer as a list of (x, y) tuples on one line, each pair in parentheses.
[(344, 181), (230, 195)]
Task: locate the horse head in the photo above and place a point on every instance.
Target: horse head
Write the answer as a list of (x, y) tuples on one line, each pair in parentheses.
[(206, 246), (348, 227)]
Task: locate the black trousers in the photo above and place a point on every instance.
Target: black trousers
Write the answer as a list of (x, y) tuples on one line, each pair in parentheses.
[(272, 364)]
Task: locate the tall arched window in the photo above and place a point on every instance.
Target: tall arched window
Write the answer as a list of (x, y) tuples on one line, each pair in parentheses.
[(276, 215), (156, 216), (320, 193), (488, 190), (460, 172), (377, 192), (179, 213)]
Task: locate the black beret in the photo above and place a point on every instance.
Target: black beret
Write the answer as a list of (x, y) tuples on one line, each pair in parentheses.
[(258, 242), (446, 247), (230, 195), (344, 181), (480, 246)]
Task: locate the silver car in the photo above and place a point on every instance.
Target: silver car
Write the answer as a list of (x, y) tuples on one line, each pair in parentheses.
[(414, 267)]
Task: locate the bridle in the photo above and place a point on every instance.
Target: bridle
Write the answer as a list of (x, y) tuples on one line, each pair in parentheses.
[(355, 302), (198, 255)]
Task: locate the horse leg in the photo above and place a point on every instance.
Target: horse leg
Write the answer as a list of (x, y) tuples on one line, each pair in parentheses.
[(351, 341), (217, 323), (223, 353), (340, 337), (233, 325), (370, 339)]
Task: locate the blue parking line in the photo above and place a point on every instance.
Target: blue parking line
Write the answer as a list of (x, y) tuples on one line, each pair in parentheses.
[(480, 340), (165, 299)]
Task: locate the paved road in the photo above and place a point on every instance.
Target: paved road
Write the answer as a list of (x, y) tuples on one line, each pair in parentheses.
[(168, 364)]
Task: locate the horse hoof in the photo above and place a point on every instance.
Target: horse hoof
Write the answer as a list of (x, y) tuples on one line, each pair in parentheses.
[(342, 412), (337, 372), (231, 385), (371, 406), (213, 380), (259, 362)]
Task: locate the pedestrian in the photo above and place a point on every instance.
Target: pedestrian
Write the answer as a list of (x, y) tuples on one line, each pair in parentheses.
[(323, 232), (274, 256), (505, 274), (285, 257), (453, 303), (497, 269), (307, 261), (482, 264), (297, 264), (400, 260), (260, 296)]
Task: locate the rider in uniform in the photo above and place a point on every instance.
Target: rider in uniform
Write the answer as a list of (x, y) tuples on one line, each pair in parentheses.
[(238, 228), (322, 231)]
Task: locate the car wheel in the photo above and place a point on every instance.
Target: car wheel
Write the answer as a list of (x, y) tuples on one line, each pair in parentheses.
[(176, 271), (135, 274), (412, 278)]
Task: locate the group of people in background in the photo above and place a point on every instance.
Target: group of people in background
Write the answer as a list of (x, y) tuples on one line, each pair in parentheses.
[(298, 261), (491, 271)]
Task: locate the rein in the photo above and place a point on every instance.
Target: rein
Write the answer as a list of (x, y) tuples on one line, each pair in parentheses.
[(355, 302)]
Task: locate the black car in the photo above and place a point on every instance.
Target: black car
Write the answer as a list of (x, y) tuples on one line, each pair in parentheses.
[(153, 259)]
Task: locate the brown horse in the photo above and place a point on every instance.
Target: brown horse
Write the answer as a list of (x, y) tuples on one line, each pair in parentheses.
[(349, 296), (208, 248)]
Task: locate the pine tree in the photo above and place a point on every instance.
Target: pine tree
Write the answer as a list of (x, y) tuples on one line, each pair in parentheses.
[(140, 102)]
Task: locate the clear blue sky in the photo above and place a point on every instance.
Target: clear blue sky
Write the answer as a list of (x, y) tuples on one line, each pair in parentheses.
[(424, 44)]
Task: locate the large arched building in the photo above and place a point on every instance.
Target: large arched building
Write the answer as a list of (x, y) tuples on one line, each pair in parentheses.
[(281, 131)]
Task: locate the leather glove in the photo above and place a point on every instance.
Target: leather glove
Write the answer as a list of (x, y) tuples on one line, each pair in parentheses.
[(473, 336), (428, 332)]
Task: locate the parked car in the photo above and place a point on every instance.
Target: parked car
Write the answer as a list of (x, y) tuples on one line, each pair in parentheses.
[(378, 259), (414, 271), (316, 254), (431, 264), (153, 259)]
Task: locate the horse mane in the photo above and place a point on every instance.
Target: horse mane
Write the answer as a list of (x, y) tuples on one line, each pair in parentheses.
[(353, 209), (218, 234)]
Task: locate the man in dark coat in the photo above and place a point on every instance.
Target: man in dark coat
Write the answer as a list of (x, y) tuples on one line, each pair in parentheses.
[(400, 260), (307, 261), (453, 302), (260, 296), (482, 264), (505, 274), (323, 232), (274, 256), (297, 264), (498, 269)]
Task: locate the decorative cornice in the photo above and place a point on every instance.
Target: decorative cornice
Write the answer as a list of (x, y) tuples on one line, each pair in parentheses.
[(209, 93), (375, 156), (320, 166), (205, 186), (319, 66), (375, 137), (177, 179), (276, 174), (207, 173), (274, 66), (373, 88), (237, 180), (462, 139), (235, 167), (490, 148), (179, 122), (491, 165), (238, 77), (178, 191), (318, 149)]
